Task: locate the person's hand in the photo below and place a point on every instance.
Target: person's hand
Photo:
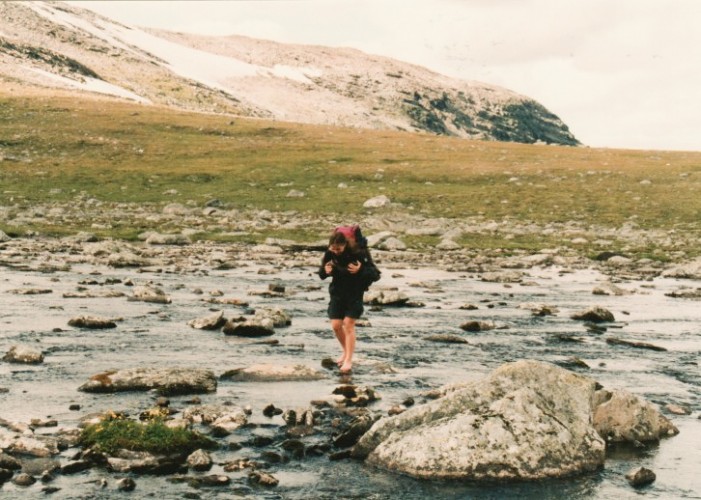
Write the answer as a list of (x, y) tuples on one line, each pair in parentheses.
[(328, 267), (354, 267)]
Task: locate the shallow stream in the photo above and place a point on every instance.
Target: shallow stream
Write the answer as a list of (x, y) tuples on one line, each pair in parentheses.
[(393, 357)]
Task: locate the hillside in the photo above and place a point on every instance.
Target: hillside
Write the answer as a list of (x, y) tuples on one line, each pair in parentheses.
[(52, 45)]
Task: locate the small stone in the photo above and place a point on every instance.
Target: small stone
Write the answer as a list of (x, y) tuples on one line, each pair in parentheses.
[(640, 477)]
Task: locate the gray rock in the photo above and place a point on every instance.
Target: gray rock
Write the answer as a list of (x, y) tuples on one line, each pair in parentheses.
[(392, 243), (211, 322), (392, 298), (477, 326), (377, 202), (273, 373), (199, 460), (167, 239), (595, 314), (249, 327), (621, 416), (23, 354), (166, 381), (689, 270), (92, 322), (149, 294), (527, 420), (640, 477), (446, 339)]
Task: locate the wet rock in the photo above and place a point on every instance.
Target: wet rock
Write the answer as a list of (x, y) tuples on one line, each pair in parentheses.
[(273, 373), (199, 460), (620, 416), (27, 445), (640, 477), (685, 293), (677, 409), (358, 396), (23, 354), (126, 484), (5, 475), (464, 434), (610, 289), (341, 455), (141, 462), (299, 417), (279, 317), (96, 294), (395, 410), (688, 270), (166, 381), (211, 322), (24, 480), (240, 464), (151, 294), (469, 307), (249, 327), (446, 339), (223, 419), (573, 362), (92, 322), (637, 345), (271, 410), (388, 298), (357, 427), (40, 466), (594, 314), (262, 479), (539, 309), (209, 481), (8, 462), (502, 277), (31, 291), (477, 326), (329, 363), (75, 467)]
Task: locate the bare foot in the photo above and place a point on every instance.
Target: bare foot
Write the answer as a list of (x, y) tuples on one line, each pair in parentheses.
[(341, 359), (346, 367)]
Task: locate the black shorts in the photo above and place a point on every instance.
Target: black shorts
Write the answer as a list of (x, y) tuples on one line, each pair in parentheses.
[(340, 308)]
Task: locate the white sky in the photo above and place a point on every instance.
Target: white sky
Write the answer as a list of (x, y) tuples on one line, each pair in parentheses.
[(619, 73)]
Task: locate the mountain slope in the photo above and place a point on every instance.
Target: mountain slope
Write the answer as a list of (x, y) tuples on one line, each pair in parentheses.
[(50, 44)]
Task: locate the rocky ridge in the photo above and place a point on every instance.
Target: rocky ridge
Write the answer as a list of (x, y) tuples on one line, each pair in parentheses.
[(50, 45)]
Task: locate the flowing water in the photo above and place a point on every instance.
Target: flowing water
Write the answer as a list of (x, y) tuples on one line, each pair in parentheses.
[(158, 335)]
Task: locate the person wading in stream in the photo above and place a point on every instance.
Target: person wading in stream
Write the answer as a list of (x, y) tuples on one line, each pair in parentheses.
[(352, 271)]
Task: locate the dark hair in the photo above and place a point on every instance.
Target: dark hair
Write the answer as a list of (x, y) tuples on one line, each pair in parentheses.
[(338, 238)]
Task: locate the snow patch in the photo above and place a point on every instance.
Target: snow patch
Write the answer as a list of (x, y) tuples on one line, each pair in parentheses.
[(91, 85)]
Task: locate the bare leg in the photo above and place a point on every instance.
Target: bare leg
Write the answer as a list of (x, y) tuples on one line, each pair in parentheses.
[(349, 345), (337, 325)]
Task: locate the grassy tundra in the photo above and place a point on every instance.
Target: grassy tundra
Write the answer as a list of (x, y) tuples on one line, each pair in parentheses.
[(57, 150)]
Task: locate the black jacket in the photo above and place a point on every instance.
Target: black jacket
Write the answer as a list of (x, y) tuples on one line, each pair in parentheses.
[(343, 283)]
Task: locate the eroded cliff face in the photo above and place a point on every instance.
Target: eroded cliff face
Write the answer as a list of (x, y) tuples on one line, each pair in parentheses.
[(53, 45)]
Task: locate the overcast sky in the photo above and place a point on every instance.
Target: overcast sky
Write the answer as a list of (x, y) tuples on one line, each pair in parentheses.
[(619, 73)]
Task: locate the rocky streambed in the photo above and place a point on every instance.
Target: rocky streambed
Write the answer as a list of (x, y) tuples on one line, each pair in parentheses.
[(233, 341)]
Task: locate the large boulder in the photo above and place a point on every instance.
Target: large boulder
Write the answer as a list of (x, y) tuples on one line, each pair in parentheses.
[(166, 381), (528, 420)]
